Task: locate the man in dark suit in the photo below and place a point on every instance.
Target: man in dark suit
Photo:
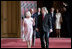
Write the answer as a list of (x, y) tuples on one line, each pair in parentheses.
[(67, 18), (45, 27), (53, 21), (36, 22)]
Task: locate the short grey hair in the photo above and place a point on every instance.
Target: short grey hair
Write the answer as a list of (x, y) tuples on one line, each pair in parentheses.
[(45, 9)]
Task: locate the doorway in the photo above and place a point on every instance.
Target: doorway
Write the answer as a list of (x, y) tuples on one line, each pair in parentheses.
[(10, 19)]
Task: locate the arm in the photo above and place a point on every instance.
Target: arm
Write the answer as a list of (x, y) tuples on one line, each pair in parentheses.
[(25, 27), (50, 22), (36, 19), (24, 23), (33, 20), (61, 19), (36, 23)]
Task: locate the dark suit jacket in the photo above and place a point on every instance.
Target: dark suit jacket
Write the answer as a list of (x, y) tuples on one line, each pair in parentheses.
[(53, 18), (36, 18), (46, 24), (35, 15)]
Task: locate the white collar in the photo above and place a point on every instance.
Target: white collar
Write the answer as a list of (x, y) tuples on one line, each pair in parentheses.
[(38, 13)]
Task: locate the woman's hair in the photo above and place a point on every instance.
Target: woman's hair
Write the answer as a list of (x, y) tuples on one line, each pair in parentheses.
[(58, 10), (28, 14)]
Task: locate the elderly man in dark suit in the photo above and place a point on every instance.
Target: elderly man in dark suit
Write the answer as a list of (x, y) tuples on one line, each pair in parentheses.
[(53, 21), (36, 22), (45, 27)]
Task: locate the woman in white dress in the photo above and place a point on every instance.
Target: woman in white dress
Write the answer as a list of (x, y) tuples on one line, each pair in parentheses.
[(58, 22), (28, 28)]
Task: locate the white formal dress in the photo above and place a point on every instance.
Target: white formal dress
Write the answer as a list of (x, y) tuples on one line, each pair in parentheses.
[(28, 28), (58, 25)]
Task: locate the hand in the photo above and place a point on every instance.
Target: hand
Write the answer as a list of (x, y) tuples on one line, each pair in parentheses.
[(51, 30)]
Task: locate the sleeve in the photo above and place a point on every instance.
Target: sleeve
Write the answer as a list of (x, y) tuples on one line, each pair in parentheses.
[(33, 22), (50, 21), (36, 21), (61, 18)]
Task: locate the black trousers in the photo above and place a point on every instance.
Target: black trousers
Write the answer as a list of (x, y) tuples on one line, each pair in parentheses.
[(33, 37), (44, 36)]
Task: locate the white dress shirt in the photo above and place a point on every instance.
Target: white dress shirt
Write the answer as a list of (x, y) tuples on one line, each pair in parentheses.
[(52, 13)]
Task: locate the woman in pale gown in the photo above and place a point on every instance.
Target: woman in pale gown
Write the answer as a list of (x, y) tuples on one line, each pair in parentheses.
[(58, 22), (28, 28)]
